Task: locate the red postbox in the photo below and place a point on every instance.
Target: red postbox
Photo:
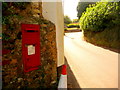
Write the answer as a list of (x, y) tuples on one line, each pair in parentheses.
[(30, 46)]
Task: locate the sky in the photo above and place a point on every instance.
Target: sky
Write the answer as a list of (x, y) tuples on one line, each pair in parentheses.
[(70, 8)]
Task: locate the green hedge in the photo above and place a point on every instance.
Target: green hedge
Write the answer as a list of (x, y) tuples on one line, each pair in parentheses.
[(101, 24), (73, 25), (108, 38), (100, 16)]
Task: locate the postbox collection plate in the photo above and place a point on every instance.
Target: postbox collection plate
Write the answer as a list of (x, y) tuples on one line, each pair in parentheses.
[(30, 46)]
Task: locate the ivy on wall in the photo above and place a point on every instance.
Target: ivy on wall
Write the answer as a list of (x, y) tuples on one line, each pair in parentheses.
[(9, 10)]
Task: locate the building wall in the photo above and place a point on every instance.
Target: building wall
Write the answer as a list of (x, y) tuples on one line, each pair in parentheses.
[(53, 11), (13, 75)]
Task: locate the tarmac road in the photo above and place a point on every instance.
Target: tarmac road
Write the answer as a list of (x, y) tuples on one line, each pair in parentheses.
[(92, 66)]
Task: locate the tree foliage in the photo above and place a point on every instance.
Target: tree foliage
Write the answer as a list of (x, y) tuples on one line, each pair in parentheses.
[(82, 7), (100, 16), (67, 20)]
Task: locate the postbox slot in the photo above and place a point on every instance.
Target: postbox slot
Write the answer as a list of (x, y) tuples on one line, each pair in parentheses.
[(31, 31), (26, 45)]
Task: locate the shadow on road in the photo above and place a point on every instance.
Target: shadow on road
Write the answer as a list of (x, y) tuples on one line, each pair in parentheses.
[(105, 47), (111, 49), (72, 83), (69, 37)]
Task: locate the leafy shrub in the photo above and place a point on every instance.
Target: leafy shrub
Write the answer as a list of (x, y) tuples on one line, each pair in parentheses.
[(73, 25), (65, 28), (67, 20), (101, 24), (100, 16), (107, 38)]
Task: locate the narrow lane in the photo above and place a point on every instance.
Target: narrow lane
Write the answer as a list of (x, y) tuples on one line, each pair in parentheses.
[(93, 67)]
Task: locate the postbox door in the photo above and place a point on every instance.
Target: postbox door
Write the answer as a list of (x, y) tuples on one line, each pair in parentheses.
[(30, 47)]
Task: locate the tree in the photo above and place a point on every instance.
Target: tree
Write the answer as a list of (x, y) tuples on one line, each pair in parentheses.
[(67, 20), (82, 7)]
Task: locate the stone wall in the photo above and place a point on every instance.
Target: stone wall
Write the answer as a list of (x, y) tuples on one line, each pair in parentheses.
[(13, 75)]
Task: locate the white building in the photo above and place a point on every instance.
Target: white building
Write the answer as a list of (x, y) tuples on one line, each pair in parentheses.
[(53, 11)]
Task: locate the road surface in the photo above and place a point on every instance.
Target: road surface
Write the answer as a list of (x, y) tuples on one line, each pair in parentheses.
[(93, 67)]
